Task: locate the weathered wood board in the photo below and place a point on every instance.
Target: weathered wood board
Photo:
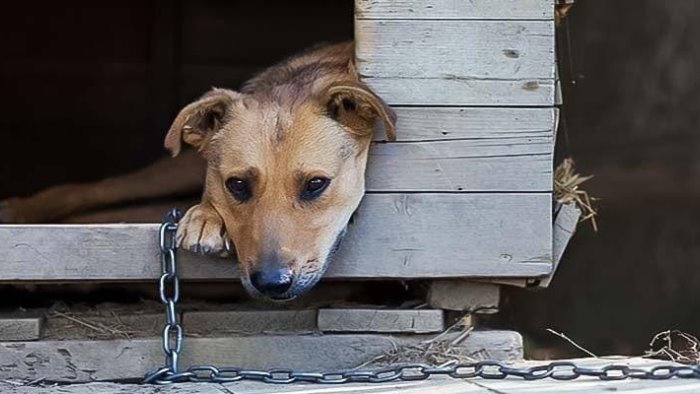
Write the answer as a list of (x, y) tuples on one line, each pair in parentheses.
[(565, 224), (394, 236), (85, 361), (433, 385), (475, 165), (381, 320), (457, 62), (250, 322), (461, 92), (463, 295), (21, 325), (458, 123), (498, 50), (451, 9)]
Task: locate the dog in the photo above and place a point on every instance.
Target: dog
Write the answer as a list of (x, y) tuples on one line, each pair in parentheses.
[(281, 162)]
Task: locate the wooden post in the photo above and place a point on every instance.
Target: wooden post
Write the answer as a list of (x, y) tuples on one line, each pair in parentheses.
[(463, 295)]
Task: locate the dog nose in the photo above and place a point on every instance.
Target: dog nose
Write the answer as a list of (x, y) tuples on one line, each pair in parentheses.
[(272, 282)]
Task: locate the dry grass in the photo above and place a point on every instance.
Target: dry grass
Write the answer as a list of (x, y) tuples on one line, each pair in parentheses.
[(100, 322), (441, 349), (674, 345), (571, 341), (566, 190)]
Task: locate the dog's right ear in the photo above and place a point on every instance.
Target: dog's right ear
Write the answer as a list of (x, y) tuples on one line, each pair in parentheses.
[(198, 121), (348, 101)]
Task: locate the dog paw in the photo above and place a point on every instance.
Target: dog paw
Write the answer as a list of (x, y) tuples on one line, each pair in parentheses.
[(202, 231)]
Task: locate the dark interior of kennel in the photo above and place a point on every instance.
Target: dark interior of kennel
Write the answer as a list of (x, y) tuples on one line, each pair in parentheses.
[(90, 88)]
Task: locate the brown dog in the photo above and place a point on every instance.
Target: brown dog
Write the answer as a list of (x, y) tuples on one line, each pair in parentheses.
[(283, 172)]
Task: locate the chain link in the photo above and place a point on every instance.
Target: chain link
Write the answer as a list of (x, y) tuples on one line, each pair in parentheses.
[(169, 290)]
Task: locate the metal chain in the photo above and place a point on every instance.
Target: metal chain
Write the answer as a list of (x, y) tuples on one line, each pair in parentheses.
[(169, 288)]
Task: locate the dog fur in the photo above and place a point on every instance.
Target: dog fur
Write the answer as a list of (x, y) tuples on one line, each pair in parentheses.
[(259, 155)]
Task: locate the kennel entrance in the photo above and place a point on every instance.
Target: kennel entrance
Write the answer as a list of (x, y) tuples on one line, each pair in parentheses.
[(459, 205)]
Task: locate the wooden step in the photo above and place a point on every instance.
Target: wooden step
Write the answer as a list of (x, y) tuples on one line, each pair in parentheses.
[(85, 361)]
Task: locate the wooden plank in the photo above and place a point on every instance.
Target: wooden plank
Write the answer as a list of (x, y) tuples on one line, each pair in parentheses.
[(454, 123), (458, 92), (456, 149), (21, 325), (393, 236), (381, 320), (565, 224), (451, 9), (433, 385), (448, 62), (521, 164), (462, 295), (85, 361), (249, 322), (437, 385), (111, 325), (468, 50)]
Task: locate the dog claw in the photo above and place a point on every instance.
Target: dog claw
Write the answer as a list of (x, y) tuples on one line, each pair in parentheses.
[(200, 231)]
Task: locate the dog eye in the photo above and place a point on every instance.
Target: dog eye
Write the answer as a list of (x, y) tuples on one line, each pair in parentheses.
[(239, 189), (314, 187)]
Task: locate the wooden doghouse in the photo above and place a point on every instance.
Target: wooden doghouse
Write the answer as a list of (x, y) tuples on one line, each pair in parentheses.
[(462, 201)]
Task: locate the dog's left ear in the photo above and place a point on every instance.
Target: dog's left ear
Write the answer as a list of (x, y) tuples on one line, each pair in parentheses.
[(356, 106), (199, 120)]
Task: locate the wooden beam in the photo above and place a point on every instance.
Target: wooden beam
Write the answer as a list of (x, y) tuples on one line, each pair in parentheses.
[(249, 322), (463, 295), (381, 320), (565, 224), (85, 361), (464, 123), (448, 62), (523, 163), (451, 9), (21, 325), (445, 49), (393, 236), (434, 385), (461, 92)]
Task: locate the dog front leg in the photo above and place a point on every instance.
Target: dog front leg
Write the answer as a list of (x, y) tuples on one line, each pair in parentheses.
[(202, 230), (166, 177)]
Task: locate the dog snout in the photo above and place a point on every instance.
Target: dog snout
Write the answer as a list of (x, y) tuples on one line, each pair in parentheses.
[(272, 282)]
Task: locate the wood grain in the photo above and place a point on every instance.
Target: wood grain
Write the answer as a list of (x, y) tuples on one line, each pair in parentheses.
[(462, 295), (250, 322), (434, 385), (450, 62), (463, 92), (381, 320), (21, 325), (451, 123), (497, 50), (394, 236), (565, 224), (451, 9), (85, 361), (475, 165)]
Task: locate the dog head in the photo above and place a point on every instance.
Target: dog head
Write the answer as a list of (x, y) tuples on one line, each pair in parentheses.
[(285, 177)]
